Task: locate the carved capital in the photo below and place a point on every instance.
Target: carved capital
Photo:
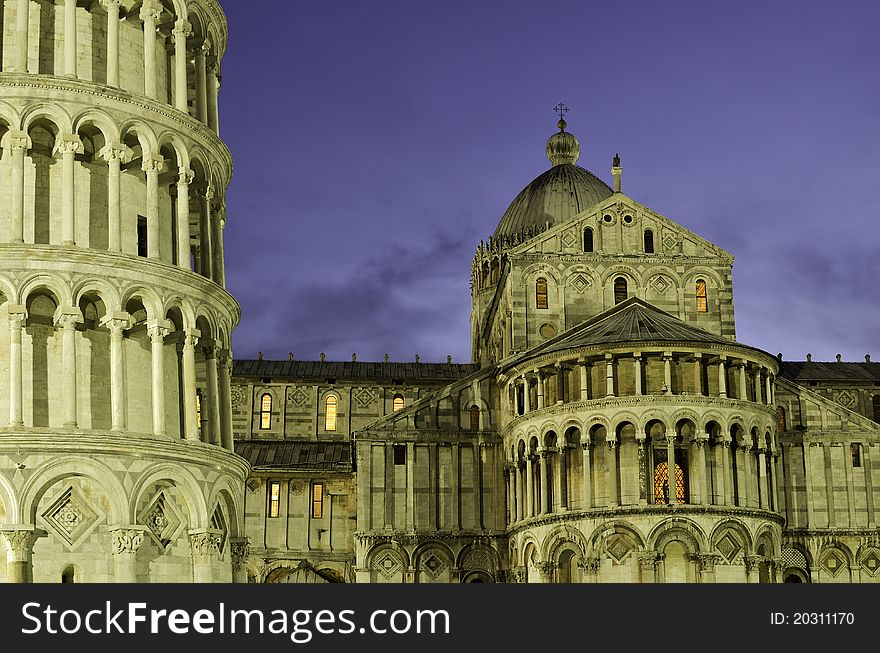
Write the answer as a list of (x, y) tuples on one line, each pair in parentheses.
[(191, 337), (547, 567), (752, 562), (205, 543), (110, 6), (210, 351), (182, 28), (611, 441), (19, 544), (17, 141), (240, 549), (153, 164), (185, 177), (648, 560), (151, 10), (117, 322), (127, 541), (69, 144), (588, 565), (17, 316), (115, 152), (707, 561), (68, 318)]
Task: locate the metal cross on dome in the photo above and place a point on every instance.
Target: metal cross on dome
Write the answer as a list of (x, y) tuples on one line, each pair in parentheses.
[(561, 109)]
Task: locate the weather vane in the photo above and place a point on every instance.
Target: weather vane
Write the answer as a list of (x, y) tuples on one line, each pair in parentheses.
[(561, 109)]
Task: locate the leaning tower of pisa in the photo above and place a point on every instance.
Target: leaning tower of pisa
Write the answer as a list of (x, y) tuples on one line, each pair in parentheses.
[(116, 452)]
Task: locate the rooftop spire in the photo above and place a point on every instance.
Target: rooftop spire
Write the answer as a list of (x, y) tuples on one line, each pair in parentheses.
[(562, 146)]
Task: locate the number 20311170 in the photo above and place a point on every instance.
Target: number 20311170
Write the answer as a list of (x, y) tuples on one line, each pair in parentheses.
[(812, 619)]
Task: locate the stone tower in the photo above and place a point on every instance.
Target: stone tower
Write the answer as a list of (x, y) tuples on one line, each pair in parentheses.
[(116, 459)]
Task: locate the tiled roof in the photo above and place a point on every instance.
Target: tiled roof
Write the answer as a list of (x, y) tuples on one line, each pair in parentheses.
[(432, 372), (802, 371), (287, 454)]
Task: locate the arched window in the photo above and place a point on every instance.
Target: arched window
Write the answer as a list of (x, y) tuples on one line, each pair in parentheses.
[(619, 290), (199, 411), (331, 404), (649, 241), (702, 297), (661, 484), (541, 300), (69, 574), (266, 412), (876, 403), (475, 418), (398, 402), (588, 239), (780, 419)]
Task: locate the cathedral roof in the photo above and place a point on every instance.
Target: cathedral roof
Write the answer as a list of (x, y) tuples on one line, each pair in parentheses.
[(556, 196), (805, 371), (291, 454), (321, 370)]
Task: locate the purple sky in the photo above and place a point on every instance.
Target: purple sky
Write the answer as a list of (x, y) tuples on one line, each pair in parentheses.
[(377, 142)]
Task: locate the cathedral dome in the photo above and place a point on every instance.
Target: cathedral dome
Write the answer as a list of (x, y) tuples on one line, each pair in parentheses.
[(556, 196)]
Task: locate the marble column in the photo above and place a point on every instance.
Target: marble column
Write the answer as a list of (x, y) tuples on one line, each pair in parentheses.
[(671, 478), (212, 94), (205, 245), (157, 333), (562, 455), (18, 143), (184, 255), (667, 372), (705, 490), (67, 147), (774, 486), (609, 375), (540, 389), (239, 549), (741, 388), (127, 540), (722, 377), (151, 11), (19, 545), (544, 483), (613, 494), (202, 82), (520, 509), (205, 547), (117, 323), (763, 485), (17, 317), (224, 369), (745, 486), (560, 384), (587, 473), (114, 155), (70, 38), (768, 390), (191, 419), (22, 15), (726, 473), (637, 371), (182, 29), (698, 374), (67, 319), (152, 166), (757, 382), (212, 383), (527, 394), (218, 224), (585, 383), (112, 9), (530, 488)]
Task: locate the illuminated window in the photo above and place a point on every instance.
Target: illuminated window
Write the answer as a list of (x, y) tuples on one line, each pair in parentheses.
[(702, 297), (780, 419), (619, 290), (588, 240), (541, 294), (199, 409), (274, 499), (317, 500), (475, 418), (661, 484), (398, 402), (856, 450), (649, 241), (400, 454), (331, 404), (266, 412)]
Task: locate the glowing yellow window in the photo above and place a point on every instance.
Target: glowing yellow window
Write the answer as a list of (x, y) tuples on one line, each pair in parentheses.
[(274, 499), (331, 405), (266, 412), (541, 299), (317, 501), (702, 297), (398, 402)]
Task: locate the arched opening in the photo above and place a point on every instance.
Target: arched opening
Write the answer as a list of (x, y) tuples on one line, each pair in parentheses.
[(93, 353), (793, 578), (702, 297), (266, 412), (588, 239), (620, 290), (43, 401), (876, 406), (649, 241), (567, 567), (68, 574), (676, 563), (93, 179), (475, 418), (398, 402), (331, 405), (44, 194), (541, 297)]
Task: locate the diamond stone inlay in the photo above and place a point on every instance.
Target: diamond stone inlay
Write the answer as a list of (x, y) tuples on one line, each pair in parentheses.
[(728, 547), (364, 397), (299, 398), (661, 284), (163, 520), (580, 283), (618, 549), (387, 564), (833, 563), (72, 518)]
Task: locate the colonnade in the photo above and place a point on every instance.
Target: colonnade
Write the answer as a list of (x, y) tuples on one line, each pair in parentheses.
[(207, 74), (217, 361)]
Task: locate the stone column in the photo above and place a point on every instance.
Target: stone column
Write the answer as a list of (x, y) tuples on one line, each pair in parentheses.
[(562, 454), (752, 563), (70, 38), (702, 442), (671, 479), (774, 489), (126, 542), (637, 360), (520, 508), (667, 372), (67, 147), (588, 472), (511, 493), (17, 318), (202, 82), (212, 94), (224, 369), (609, 375), (67, 319), (641, 442), (114, 155), (540, 389), (725, 476), (741, 389), (585, 383), (212, 384), (745, 486), (707, 562), (869, 482), (218, 224), (183, 244), (530, 494), (456, 487), (182, 29), (768, 390), (722, 377), (239, 549), (560, 384), (19, 553), (205, 546), (545, 467), (698, 375), (152, 166), (205, 233), (613, 495), (157, 332), (117, 323), (763, 493), (757, 381), (18, 143), (112, 8), (22, 15), (527, 399), (191, 420), (151, 11), (648, 566)]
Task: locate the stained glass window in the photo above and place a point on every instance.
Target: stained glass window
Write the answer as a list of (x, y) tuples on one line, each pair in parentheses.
[(620, 290), (541, 300), (661, 485), (331, 405), (266, 412), (702, 297)]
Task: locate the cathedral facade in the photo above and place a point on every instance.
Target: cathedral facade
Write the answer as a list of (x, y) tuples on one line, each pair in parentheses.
[(609, 427)]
